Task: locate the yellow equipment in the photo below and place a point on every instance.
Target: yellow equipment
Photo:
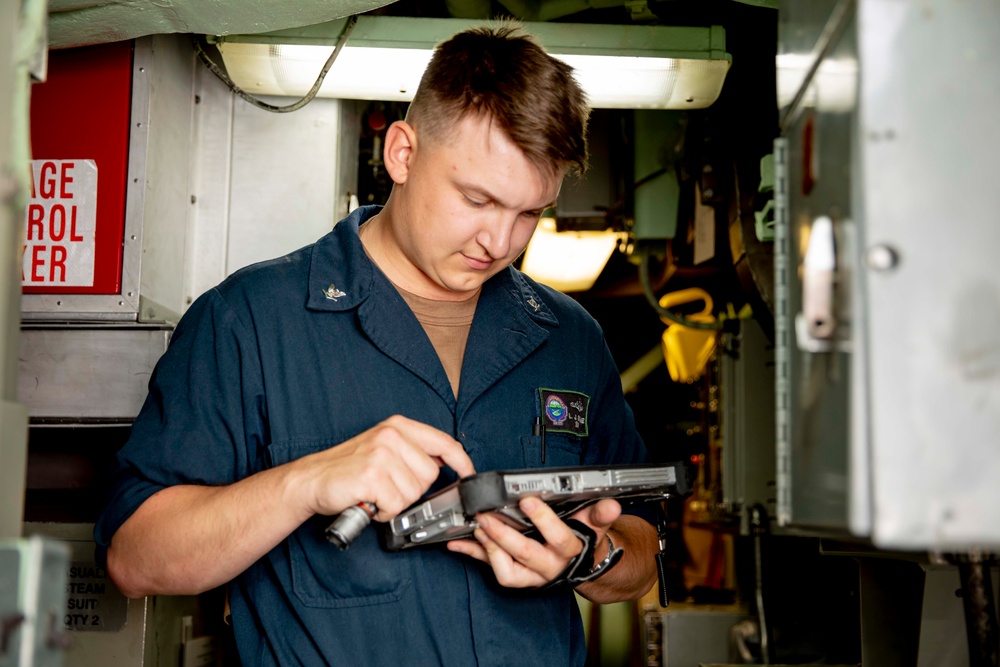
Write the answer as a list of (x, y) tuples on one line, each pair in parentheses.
[(687, 350)]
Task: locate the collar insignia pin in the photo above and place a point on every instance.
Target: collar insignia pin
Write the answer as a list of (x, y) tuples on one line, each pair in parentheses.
[(332, 293), (534, 304)]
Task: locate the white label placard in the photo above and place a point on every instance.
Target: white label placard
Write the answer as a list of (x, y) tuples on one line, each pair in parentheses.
[(60, 222), (93, 603)]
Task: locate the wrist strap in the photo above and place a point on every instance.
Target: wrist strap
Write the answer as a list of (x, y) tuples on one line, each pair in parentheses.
[(582, 569)]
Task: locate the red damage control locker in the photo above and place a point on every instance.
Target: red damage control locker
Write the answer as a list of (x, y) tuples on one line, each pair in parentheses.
[(75, 219)]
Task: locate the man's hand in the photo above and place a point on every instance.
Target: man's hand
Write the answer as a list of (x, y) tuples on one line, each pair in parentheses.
[(171, 544), (523, 562), (391, 465)]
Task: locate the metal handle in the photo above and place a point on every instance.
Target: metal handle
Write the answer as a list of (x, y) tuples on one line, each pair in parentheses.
[(349, 524), (817, 328), (819, 280)]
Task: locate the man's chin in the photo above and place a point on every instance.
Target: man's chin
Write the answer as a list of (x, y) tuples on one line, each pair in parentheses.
[(467, 285), (464, 291)]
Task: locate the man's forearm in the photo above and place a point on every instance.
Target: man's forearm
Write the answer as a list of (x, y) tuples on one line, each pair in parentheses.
[(631, 578), (187, 539)]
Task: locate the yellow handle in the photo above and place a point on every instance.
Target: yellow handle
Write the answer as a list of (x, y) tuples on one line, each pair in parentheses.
[(689, 295)]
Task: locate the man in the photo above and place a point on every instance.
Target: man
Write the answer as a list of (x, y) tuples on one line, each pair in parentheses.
[(397, 352)]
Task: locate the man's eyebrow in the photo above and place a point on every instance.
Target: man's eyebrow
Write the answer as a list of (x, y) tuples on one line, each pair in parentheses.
[(469, 188)]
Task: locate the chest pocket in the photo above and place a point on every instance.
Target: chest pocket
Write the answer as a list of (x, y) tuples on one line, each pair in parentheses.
[(561, 450), (323, 575)]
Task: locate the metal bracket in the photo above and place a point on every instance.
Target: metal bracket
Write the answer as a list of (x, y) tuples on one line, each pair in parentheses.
[(783, 333)]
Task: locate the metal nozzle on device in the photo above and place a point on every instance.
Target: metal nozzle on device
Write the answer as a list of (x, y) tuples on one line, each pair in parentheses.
[(349, 524)]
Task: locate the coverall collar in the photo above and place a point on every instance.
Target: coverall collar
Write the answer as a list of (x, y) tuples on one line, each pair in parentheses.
[(510, 321), (341, 276)]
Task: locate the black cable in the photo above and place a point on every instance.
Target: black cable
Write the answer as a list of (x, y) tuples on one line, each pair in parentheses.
[(647, 289), (648, 177), (270, 107), (759, 526), (981, 627)]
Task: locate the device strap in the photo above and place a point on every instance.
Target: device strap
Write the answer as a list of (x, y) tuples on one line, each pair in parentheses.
[(582, 569)]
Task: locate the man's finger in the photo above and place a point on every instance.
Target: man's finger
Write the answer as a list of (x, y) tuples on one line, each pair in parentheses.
[(509, 570), (469, 548), (601, 515), (435, 443), (557, 535), (540, 559)]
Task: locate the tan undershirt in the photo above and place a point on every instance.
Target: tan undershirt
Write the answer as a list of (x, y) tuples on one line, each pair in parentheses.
[(447, 324)]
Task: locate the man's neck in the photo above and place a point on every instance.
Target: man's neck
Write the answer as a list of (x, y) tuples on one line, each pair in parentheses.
[(382, 247)]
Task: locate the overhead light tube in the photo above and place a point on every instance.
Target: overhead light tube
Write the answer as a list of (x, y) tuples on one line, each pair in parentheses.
[(656, 67)]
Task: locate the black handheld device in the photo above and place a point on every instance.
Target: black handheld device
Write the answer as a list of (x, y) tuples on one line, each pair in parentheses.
[(450, 513)]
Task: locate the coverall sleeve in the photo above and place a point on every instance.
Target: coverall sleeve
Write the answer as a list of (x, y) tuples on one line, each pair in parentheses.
[(203, 421)]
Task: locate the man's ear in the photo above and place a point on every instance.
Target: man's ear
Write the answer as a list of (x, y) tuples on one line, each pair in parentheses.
[(400, 145)]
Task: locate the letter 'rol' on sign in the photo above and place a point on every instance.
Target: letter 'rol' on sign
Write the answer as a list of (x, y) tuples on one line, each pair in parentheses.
[(60, 222)]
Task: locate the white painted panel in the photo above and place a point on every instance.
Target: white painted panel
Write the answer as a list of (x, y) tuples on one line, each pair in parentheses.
[(167, 189), (211, 172), (283, 179)]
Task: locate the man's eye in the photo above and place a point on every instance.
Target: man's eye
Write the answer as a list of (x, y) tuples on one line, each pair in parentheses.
[(534, 215), (475, 204)]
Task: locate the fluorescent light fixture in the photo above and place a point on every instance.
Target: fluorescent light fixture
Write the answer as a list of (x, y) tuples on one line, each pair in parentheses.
[(567, 261), (619, 66)]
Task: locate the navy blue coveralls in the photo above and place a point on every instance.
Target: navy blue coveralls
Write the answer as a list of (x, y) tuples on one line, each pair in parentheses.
[(298, 354)]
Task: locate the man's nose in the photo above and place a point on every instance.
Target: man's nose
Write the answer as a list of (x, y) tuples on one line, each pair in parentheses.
[(495, 234)]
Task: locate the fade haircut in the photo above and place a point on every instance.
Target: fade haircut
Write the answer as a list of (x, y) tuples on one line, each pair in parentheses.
[(501, 72)]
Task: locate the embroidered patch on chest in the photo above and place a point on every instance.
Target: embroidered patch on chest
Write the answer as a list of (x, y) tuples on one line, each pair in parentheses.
[(564, 411)]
